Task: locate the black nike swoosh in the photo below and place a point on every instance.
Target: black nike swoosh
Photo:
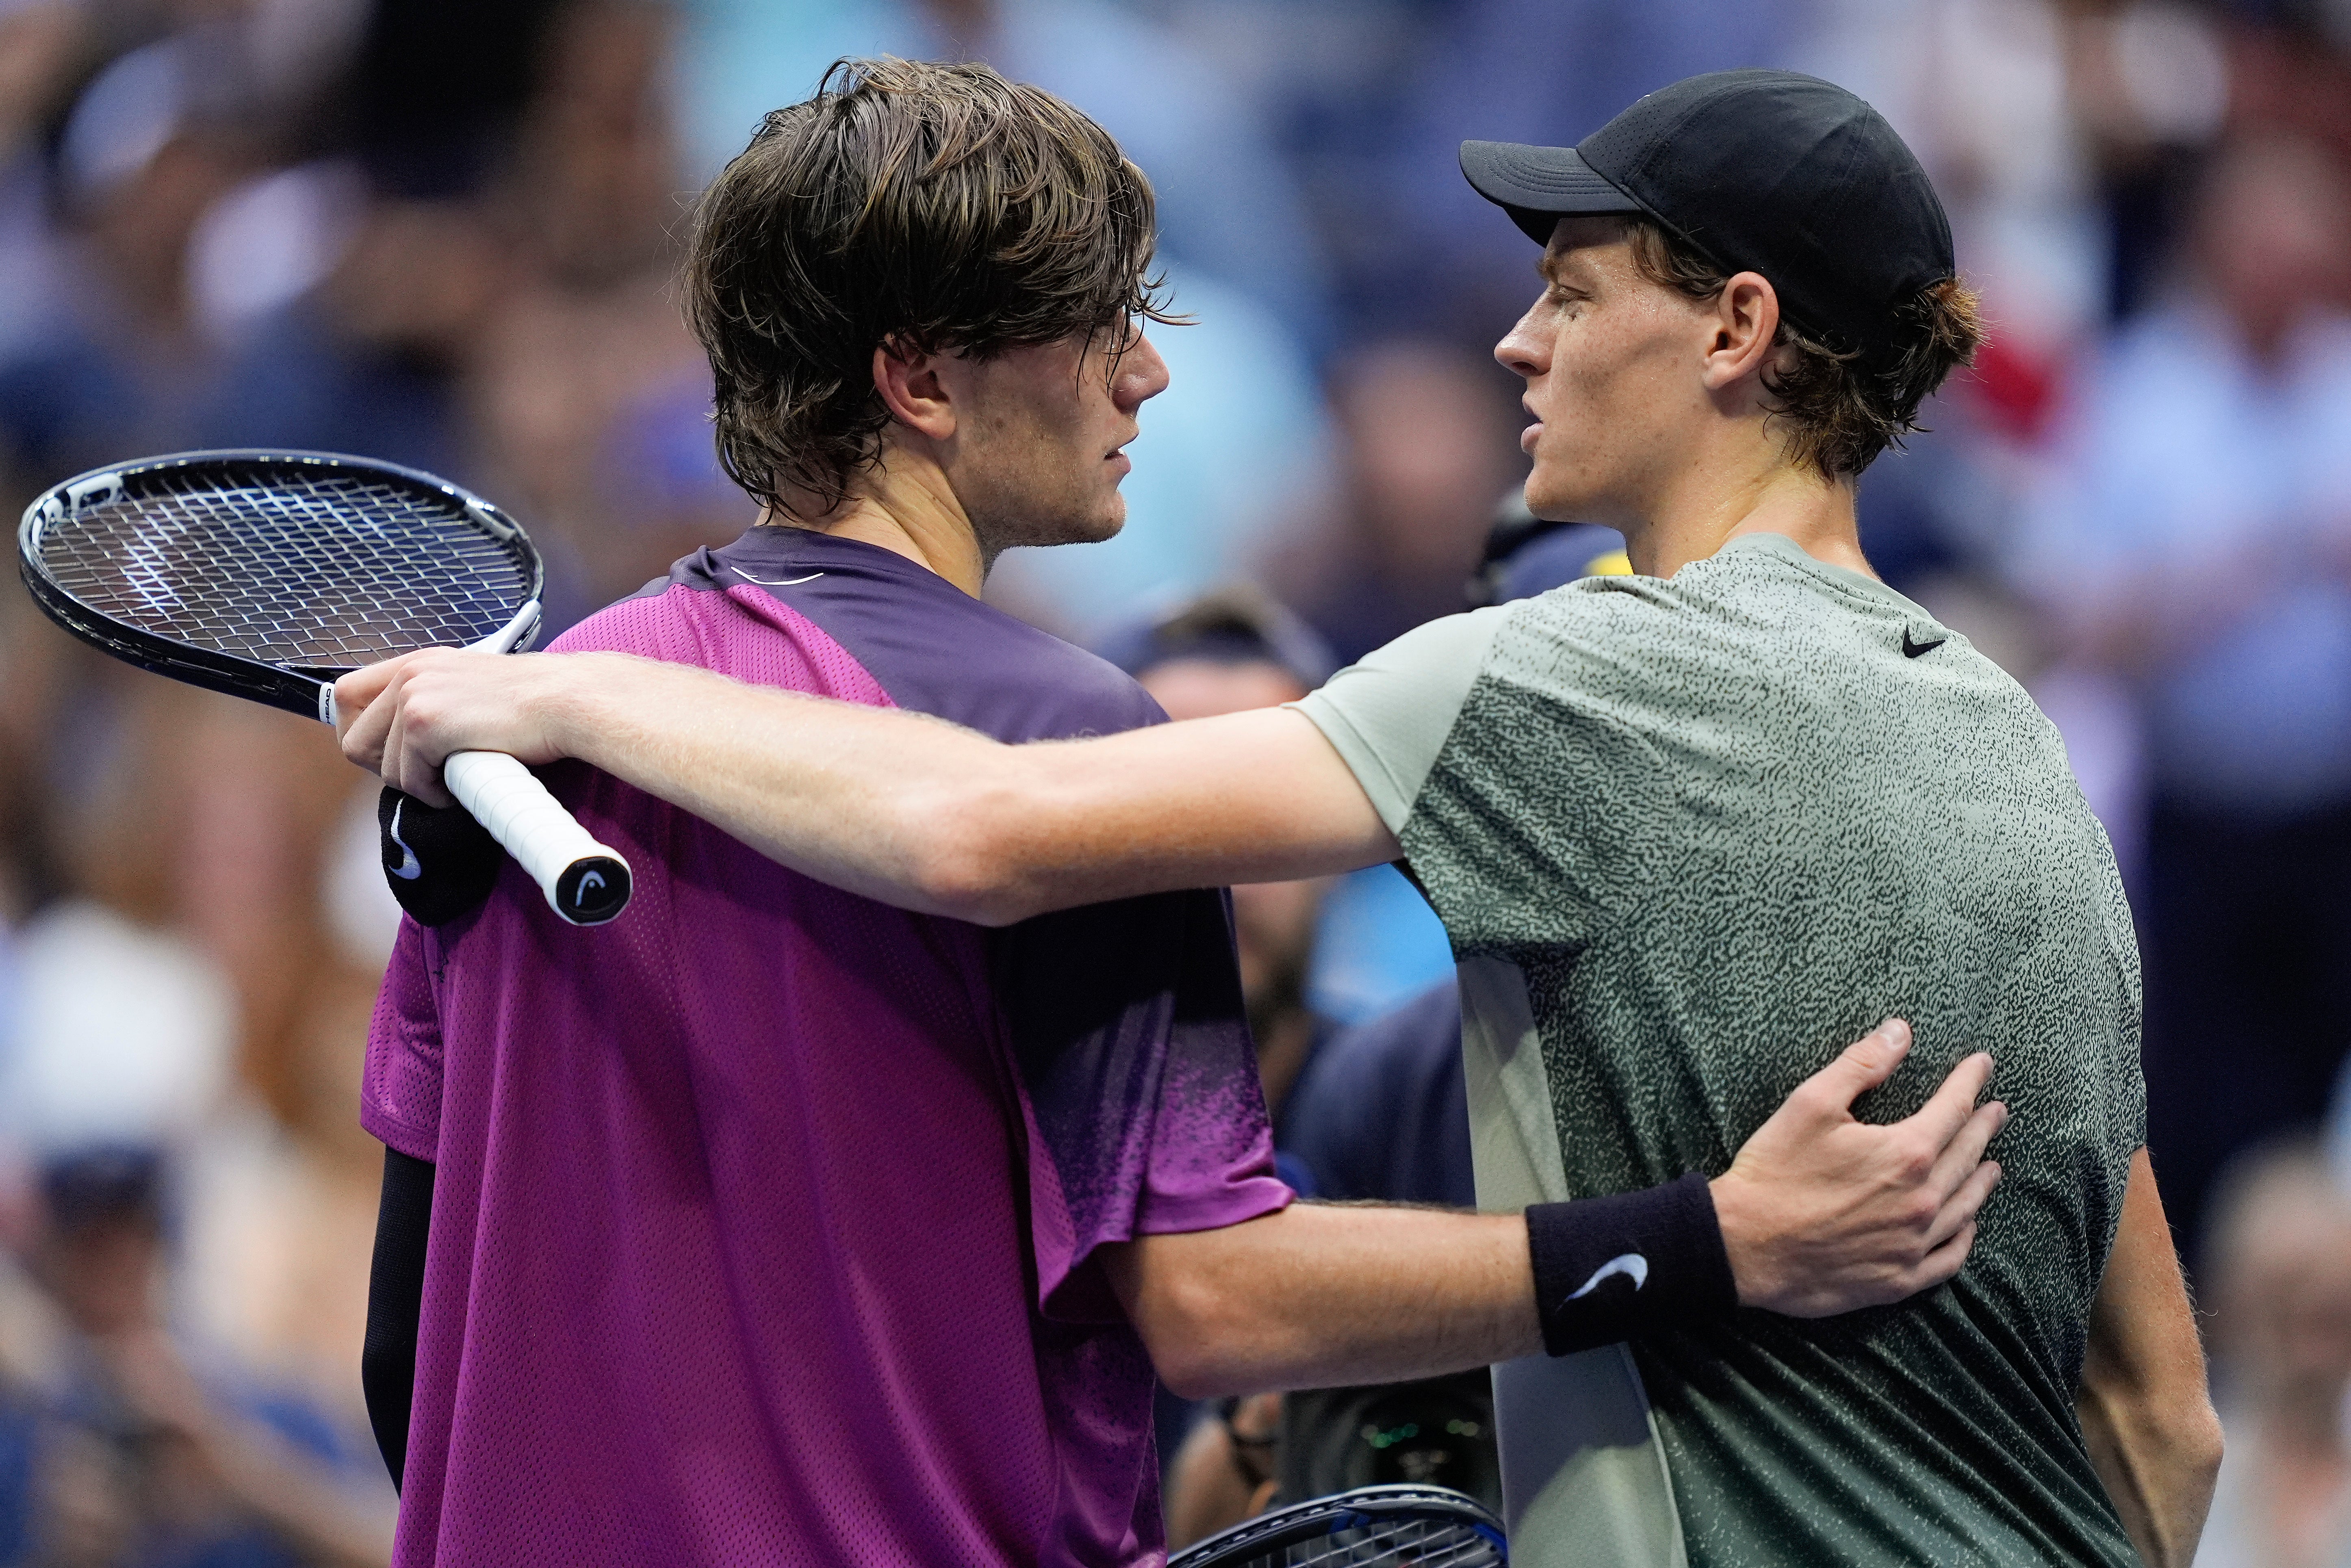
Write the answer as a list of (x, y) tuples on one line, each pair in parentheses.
[(1912, 650)]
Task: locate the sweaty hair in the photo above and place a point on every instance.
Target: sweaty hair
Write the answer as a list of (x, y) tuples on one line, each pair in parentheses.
[(1837, 414), (934, 208)]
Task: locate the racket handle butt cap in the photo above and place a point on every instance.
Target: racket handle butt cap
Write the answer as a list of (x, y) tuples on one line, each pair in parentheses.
[(586, 883), (591, 890)]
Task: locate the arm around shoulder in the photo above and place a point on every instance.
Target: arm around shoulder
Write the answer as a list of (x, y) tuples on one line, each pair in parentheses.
[(899, 807)]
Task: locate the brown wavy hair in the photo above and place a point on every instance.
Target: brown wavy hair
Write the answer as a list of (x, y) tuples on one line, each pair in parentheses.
[(937, 207), (1837, 413)]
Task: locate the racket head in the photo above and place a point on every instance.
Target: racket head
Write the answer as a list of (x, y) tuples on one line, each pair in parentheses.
[(268, 573), (1370, 1527)]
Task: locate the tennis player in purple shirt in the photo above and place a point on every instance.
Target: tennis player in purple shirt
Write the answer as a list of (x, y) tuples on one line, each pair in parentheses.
[(773, 1224)]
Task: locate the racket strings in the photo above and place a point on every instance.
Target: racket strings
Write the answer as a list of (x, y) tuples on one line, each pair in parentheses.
[(325, 571), (1406, 1543)]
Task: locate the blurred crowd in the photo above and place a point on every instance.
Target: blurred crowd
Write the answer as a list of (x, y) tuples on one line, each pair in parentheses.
[(442, 235)]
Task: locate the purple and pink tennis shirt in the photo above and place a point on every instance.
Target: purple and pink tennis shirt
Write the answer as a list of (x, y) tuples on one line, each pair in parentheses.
[(765, 1219)]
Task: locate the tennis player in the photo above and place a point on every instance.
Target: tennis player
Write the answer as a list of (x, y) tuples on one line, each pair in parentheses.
[(774, 1223)]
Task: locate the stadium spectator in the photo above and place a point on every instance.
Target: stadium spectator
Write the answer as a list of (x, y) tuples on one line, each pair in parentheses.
[(142, 1456), (2279, 1292), (2195, 540), (113, 360)]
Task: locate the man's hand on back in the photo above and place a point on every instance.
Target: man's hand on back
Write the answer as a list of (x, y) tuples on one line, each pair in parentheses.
[(1823, 1214)]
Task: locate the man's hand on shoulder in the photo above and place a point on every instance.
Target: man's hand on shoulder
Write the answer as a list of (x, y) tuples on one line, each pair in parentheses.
[(400, 719), (1822, 1213)]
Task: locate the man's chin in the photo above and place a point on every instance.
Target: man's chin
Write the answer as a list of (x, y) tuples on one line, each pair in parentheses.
[(1069, 530), (1554, 502)]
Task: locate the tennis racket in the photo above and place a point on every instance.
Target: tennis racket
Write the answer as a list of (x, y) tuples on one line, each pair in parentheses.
[(267, 574), (1370, 1527)]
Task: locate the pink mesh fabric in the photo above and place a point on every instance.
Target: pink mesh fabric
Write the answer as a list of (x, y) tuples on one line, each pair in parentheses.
[(730, 1258)]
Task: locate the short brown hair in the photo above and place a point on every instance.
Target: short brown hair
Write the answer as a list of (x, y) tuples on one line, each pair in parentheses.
[(939, 207), (1838, 413)]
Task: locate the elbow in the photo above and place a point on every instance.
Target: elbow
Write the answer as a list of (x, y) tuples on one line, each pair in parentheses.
[(967, 867), (1199, 1372), (2190, 1429), (1190, 1329), (2202, 1444)]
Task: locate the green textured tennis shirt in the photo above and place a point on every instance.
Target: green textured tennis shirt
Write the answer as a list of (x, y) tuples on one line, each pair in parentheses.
[(1690, 838)]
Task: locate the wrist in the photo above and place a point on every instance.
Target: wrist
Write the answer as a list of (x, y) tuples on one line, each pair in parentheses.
[(1608, 1267), (564, 705), (1734, 1217)]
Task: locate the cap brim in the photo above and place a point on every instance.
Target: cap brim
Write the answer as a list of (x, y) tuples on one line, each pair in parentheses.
[(1540, 185)]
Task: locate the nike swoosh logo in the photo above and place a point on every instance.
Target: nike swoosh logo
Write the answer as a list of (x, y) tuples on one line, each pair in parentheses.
[(410, 868), (1632, 1265), (1912, 650), (770, 583)]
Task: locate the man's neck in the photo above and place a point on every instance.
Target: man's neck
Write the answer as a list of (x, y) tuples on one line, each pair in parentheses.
[(903, 505), (1784, 498)]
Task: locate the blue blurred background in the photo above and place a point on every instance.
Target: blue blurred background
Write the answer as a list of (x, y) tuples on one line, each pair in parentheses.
[(443, 234)]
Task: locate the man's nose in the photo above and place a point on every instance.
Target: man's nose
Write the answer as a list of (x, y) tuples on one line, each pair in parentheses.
[(1520, 351), (1142, 374)]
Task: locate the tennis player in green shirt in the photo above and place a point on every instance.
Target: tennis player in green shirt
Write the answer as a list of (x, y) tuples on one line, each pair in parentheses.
[(1673, 821)]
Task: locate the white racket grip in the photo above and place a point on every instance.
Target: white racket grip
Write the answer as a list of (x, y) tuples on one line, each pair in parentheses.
[(585, 883)]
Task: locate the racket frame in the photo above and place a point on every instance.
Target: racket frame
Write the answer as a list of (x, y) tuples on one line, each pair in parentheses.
[(307, 690), (586, 883), (1364, 1508)]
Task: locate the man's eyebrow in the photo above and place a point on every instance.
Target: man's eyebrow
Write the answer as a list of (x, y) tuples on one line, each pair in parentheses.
[(1553, 269)]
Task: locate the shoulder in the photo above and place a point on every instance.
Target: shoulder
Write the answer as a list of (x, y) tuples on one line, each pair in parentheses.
[(1077, 693), (1388, 714), (649, 622)]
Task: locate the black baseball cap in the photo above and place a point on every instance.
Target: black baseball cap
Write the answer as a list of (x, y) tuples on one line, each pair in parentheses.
[(1762, 171)]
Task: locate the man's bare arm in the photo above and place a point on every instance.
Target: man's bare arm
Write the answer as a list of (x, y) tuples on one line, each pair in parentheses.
[(2144, 1405), (897, 807), (1821, 1214)]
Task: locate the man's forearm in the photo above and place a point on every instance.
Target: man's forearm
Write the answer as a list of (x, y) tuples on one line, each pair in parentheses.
[(843, 793), (898, 807), (2159, 1463), (1322, 1295), (2144, 1412), (1819, 1214)]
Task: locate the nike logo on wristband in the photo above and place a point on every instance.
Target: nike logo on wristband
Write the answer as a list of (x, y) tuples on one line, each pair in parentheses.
[(1632, 1265), (410, 868)]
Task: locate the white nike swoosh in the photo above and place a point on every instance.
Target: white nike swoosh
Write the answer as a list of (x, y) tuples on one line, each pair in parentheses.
[(410, 868), (769, 582), (1632, 1265)]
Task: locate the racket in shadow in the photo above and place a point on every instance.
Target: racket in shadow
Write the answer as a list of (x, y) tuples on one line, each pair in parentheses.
[(268, 574), (1370, 1527)]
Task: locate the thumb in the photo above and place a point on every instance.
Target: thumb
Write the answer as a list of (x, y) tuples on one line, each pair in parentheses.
[(1862, 1066)]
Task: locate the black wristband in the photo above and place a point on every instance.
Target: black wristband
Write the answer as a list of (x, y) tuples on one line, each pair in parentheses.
[(440, 862), (1607, 1268)]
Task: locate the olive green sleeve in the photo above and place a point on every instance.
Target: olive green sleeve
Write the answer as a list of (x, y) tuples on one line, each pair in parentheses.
[(1388, 713)]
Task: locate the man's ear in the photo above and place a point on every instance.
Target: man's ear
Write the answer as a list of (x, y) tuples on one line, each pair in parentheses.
[(913, 391), (1746, 320)]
